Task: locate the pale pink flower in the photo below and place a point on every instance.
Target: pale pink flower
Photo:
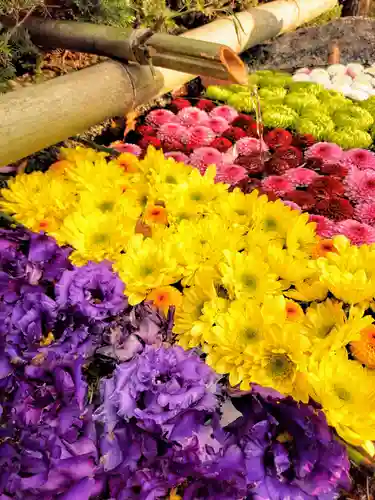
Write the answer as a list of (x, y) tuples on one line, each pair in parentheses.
[(325, 151), (230, 174), (365, 212), (360, 185), (178, 156), (356, 232), (198, 136), (249, 145), (361, 158), (225, 111), (203, 157), (217, 124), (171, 132), (190, 117), (277, 184), (324, 226), (300, 176)]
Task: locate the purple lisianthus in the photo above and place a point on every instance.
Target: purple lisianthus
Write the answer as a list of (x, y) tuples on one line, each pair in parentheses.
[(93, 290), (289, 450), (47, 258), (133, 329), (157, 386)]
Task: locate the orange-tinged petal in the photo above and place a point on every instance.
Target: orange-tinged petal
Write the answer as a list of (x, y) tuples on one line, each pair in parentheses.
[(156, 214), (364, 349), (164, 297)]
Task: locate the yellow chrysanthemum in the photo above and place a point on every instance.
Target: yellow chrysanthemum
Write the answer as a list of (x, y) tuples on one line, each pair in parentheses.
[(237, 208), (287, 266), (38, 201), (273, 218), (95, 236), (308, 290), (99, 173), (363, 349), (247, 275), (346, 391), (147, 265), (79, 153)]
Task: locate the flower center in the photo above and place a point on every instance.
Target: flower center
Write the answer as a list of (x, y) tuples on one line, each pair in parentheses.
[(342, 393), (106, 206), (170, 179), (280, 366), (249, 281), (270, 224)]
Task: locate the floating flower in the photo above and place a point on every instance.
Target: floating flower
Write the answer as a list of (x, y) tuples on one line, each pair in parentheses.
[(93, 290), (300, 177), (226, 112), (158, 117), (277, 184), (190, 117)]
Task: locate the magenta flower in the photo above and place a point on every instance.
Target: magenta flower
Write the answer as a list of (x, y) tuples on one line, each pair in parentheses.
[(230, 174), (198, 136), (178, 156), (365, 212), (158, 117), (201, 158), (124, 147), (326, 151), (227, 112), (171, 132), (360, 158), (360, 185), (277, 184), (356, 232), (300, 177), (190, 117), (250, 145), (217, 124), (324, 226), (292, 205)]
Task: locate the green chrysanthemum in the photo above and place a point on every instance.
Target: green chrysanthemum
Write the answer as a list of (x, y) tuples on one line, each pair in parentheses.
[(334, 101), (299, 100), (319, 126), (218, 93), (311, 88), (274, 95), (353, 117), (369, 105), (237, 88), (279, 116), (242, 101), (349, 138)]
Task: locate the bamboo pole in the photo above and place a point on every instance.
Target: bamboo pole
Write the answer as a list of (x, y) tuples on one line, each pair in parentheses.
[(40, 115), (250, 28)]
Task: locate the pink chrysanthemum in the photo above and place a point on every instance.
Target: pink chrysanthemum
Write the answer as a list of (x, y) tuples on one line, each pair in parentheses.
[(365, 212), (300, 176), (198, 136), (203, 157), (124, 147), (230, 174), (225, 111), (171, 132), (358, 233), (178, 156), (157, 117), (190, 117), (250, 145), (361, 158), (217, 124), (326, 151), (360, 185), (277, 184), (292, 205), (324, 226)]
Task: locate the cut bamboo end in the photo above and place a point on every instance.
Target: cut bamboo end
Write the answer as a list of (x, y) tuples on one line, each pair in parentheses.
[(234, 65), (334, 54)]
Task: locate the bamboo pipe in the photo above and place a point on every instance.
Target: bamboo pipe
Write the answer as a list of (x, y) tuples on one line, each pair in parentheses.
[(249, 28), (140, 45), (35, 117)]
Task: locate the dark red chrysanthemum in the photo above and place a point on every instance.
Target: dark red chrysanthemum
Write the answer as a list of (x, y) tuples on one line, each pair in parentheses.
[(177, 104), (278, 138), (205, 104), (276, 166), (271, 195), (336, 209), (234, 134), (173, 145), (149, 140), (314, 164), (221, 144), (243, 121), (326, 187), (290, 154), (146, 130), (336, 169), (253, 163), (303, 141), (304, 199)]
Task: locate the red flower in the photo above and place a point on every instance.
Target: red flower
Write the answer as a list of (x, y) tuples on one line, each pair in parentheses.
[(336, 209), (304, 199), (173, 145), (252, 129), (246, 123), (247, 185), (178, 104), (206, 105), (278, 137), (326, 187), (221, 144), (146, 130), (276, 166), (314, 164), (303, 141), (234, 134), (149, 140), (253, 163), (336, 169), (271, 195), (290, 154)]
